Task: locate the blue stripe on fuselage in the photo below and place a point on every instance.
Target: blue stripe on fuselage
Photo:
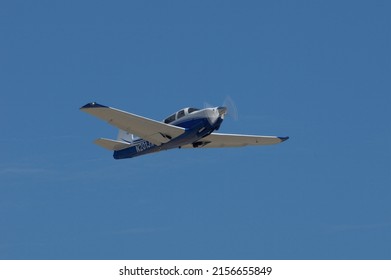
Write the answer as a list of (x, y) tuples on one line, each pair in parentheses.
[(195, 130), (190, 123), (140, 148)]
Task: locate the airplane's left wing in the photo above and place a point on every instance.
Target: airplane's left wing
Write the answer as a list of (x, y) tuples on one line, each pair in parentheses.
[(150, 130), (222, 140)]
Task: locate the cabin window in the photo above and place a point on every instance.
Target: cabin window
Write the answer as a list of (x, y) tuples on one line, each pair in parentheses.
[(191, 110), (181, 114), (170, 119)]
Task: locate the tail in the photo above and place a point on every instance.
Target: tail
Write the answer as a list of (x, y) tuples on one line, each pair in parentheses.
[(125, 136), (124, 140)]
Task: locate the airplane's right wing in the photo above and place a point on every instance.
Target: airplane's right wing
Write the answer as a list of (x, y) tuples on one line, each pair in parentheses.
[(221, 140)]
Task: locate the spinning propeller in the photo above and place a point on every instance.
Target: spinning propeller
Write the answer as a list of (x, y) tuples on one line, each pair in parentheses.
[(228, 108)]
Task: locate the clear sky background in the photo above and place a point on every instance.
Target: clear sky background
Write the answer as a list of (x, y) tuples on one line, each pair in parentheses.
[(317, 71)]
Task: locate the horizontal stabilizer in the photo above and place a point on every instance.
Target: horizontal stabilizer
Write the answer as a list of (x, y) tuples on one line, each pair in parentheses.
[(112, 145)]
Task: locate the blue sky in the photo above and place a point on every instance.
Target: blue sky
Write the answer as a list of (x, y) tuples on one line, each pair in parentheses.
[(317, 71)]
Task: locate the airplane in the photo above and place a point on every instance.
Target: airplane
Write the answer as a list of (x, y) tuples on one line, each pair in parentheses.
[(187, 128)]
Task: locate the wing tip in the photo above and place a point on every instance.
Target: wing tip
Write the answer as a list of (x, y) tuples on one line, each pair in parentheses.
[(283, 138), (92, 105)]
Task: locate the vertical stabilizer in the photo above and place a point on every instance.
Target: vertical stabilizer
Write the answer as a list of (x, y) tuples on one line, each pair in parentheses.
[(126, 136)]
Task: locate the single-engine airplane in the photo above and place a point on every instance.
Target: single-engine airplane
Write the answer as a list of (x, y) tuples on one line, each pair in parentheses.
[(187, 128)]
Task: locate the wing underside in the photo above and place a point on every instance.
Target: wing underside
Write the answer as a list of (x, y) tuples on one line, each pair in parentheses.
[(148, 129), (221, 140)]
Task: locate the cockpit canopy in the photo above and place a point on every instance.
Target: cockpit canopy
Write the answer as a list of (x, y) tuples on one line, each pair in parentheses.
[(180, 114)]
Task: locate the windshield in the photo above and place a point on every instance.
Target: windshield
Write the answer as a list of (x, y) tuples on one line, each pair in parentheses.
[(170, 119)]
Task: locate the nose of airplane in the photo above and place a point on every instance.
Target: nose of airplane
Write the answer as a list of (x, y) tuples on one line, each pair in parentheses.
[(222, 110)]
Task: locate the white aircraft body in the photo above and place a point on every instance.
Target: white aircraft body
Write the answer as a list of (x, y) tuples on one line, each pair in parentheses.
[(187, 128)]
